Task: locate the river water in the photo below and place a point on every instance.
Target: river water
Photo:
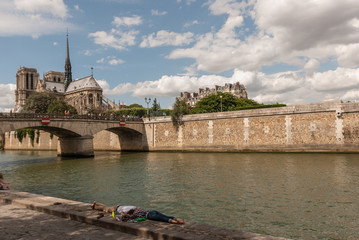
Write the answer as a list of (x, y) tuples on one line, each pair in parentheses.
[(299, 196)]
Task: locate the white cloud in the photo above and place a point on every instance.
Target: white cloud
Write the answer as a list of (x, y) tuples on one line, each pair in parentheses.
[(162, 38), (115, 62), (285, 31), (54, 7), (77, 8), (335, 80), (351, 95), (118, 90), (87, 53), (102, 60), (33, 17), (55, 43), (157, 12), (118, 38), (115, 39), (194, 22), (7, 97), (260, 85), (283, 87), (188, 2), (348, 55), (311, 66), (111, 60), (127, 21)]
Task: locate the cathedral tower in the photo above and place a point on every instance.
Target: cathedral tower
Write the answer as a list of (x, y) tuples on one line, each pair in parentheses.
[(26, 83), (68, 73)]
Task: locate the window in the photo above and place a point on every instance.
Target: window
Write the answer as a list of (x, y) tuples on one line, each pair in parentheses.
[(32, 81), (90, 98), (27, 81)]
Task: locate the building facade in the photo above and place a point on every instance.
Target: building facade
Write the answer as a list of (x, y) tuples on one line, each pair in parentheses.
[(237, 89), (85, 94)]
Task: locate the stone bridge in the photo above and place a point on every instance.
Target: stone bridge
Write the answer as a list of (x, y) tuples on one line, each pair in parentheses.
[(75, 133)]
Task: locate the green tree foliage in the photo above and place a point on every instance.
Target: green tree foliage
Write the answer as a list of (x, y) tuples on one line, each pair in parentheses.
[(135, 105), (38, 102), (139, 112), (46, 102), (180, 108), (212, 103), (155, 108), (58, 106)]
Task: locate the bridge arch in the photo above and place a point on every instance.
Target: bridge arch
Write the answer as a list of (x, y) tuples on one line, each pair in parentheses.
[(75, 135), (129, 139)]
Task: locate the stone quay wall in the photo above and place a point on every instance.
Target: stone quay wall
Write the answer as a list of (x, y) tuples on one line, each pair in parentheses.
[(330, 126), (103, 140), (326, 126)]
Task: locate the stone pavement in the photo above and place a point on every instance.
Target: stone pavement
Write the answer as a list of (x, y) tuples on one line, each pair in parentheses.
[(17, 223), (32, 216)]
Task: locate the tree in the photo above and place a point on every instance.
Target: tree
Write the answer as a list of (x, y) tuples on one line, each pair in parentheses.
[(38, 102), (180, 108), (135, 105), (216, 103), (221, 102), (244, 102), (155, 107), (58, 106)]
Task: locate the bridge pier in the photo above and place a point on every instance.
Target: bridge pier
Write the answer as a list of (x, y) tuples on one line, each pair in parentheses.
[(2, 141), (75, 146)]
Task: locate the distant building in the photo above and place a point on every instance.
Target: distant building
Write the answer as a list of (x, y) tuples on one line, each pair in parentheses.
[(84, 94), (238, 90)]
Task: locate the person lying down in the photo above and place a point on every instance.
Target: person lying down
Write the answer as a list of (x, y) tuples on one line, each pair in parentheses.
[(131, 213)]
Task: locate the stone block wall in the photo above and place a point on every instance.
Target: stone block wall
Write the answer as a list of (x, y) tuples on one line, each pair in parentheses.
[(105, 140), (325, 126), (45, 142)]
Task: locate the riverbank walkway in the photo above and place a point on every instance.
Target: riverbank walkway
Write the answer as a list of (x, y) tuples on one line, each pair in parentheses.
[(32, 216)]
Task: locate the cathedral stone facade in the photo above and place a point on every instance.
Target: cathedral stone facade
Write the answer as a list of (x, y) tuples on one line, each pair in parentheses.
[(85, 94)]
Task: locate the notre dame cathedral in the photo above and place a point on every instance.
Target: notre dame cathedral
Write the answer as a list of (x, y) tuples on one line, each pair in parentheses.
[(85, 94)]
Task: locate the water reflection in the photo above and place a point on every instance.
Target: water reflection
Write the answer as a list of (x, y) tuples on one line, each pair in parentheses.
[(300, 196)]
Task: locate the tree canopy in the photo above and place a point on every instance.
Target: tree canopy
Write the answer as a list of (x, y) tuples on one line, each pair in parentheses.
[(58, 106), (227, 102), (221, 102), (135, 105), (38, 102), (46, 102)]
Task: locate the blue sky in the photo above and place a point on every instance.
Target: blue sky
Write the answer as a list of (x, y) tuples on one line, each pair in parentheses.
[(291, 52)]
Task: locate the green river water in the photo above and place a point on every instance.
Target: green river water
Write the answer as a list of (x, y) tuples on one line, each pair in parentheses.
[(299, 196)]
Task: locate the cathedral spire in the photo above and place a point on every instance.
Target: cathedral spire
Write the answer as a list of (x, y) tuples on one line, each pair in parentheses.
[(68, 73)]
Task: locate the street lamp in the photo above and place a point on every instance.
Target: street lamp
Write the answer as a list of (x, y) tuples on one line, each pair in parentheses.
[(148, 102), (221, 102)]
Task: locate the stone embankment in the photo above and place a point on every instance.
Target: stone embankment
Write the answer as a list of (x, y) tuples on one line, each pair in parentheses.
[(31, 216)]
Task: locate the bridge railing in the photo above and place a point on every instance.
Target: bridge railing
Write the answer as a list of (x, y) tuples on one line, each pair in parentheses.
[(69, 116)]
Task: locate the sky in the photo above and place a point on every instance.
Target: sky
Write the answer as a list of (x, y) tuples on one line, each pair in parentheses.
[(291, 52)]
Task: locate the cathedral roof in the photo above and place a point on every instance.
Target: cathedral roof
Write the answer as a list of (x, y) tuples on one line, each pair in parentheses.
[(82, 83), (55, 87)]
